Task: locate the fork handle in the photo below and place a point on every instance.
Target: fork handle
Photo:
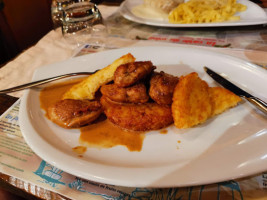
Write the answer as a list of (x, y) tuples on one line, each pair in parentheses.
[(41, 82)]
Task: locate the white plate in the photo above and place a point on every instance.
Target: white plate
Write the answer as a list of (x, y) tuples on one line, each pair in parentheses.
[(254, 15), (227, 146)]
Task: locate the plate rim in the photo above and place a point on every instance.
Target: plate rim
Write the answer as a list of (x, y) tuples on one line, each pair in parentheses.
[(111, 181), (130, 16)]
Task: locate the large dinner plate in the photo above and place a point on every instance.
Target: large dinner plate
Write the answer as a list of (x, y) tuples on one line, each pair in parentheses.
[(227, 146), (254, 15)]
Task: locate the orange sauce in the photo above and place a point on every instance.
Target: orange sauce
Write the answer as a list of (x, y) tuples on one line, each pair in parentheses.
[(105, 134), (101, 134), (163, 131), (51, 94)]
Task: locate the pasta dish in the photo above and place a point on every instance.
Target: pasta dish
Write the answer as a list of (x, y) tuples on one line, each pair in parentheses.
[(206, 11)]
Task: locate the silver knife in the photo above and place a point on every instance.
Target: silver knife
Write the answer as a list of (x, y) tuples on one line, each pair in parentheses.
[(238, 91)]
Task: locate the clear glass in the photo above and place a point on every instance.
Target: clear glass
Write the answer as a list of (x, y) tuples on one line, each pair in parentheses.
[(99, 35), (57, 7), (79, 22), (93, 1)]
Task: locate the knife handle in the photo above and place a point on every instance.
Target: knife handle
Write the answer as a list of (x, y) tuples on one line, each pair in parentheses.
[(259, 103)]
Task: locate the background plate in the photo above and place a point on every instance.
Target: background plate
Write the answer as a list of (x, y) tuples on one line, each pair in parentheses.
[(227, 146), (254, 15)]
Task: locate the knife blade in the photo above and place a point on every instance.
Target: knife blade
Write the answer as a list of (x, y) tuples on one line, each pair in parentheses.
[(238, 91)]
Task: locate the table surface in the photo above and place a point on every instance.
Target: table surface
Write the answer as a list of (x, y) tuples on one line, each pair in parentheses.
[(234, 40)]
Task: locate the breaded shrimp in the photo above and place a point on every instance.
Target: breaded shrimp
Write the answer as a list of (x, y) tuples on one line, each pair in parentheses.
[(130, 73), (161, 87), (133, 94)]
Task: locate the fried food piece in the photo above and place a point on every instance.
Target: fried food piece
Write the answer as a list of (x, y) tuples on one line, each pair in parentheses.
[(191, 101), (87, 88), (161, 87), (134, 94), (129, 73), (70, 113), (194, 101), (222, 99), (137, 117)]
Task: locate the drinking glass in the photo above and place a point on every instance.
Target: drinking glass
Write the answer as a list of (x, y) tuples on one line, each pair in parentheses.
[(93, 1), (57, 7), (79, 20)]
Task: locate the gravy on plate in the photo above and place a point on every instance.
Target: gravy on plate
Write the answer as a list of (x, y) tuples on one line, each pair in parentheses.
[(101, 134)]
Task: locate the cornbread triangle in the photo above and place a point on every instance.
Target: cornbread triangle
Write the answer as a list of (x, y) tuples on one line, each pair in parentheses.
[(194, 101), (191, 101), (222, 99)]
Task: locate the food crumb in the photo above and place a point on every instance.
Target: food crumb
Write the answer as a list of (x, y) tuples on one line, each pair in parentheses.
[(79, 149), (179, 141), (163, 131)]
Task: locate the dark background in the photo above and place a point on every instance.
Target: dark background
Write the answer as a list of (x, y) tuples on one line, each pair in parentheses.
[(25, 22)]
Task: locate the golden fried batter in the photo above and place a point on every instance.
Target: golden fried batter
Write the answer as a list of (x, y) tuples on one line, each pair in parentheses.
[(191, 101), (133, 94), (129, 73), (161, 87), (138, 117), (222, 99), (70, 113), (194, 101), (88, 87)]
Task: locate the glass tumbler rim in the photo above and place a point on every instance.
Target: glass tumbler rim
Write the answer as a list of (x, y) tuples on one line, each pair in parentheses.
[(81, 11)]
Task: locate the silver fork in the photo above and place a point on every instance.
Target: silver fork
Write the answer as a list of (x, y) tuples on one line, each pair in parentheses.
[(43, 81)]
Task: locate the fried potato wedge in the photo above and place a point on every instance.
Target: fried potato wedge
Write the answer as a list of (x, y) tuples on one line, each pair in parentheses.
[(86, 89), (222, 99), (191, 101)]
